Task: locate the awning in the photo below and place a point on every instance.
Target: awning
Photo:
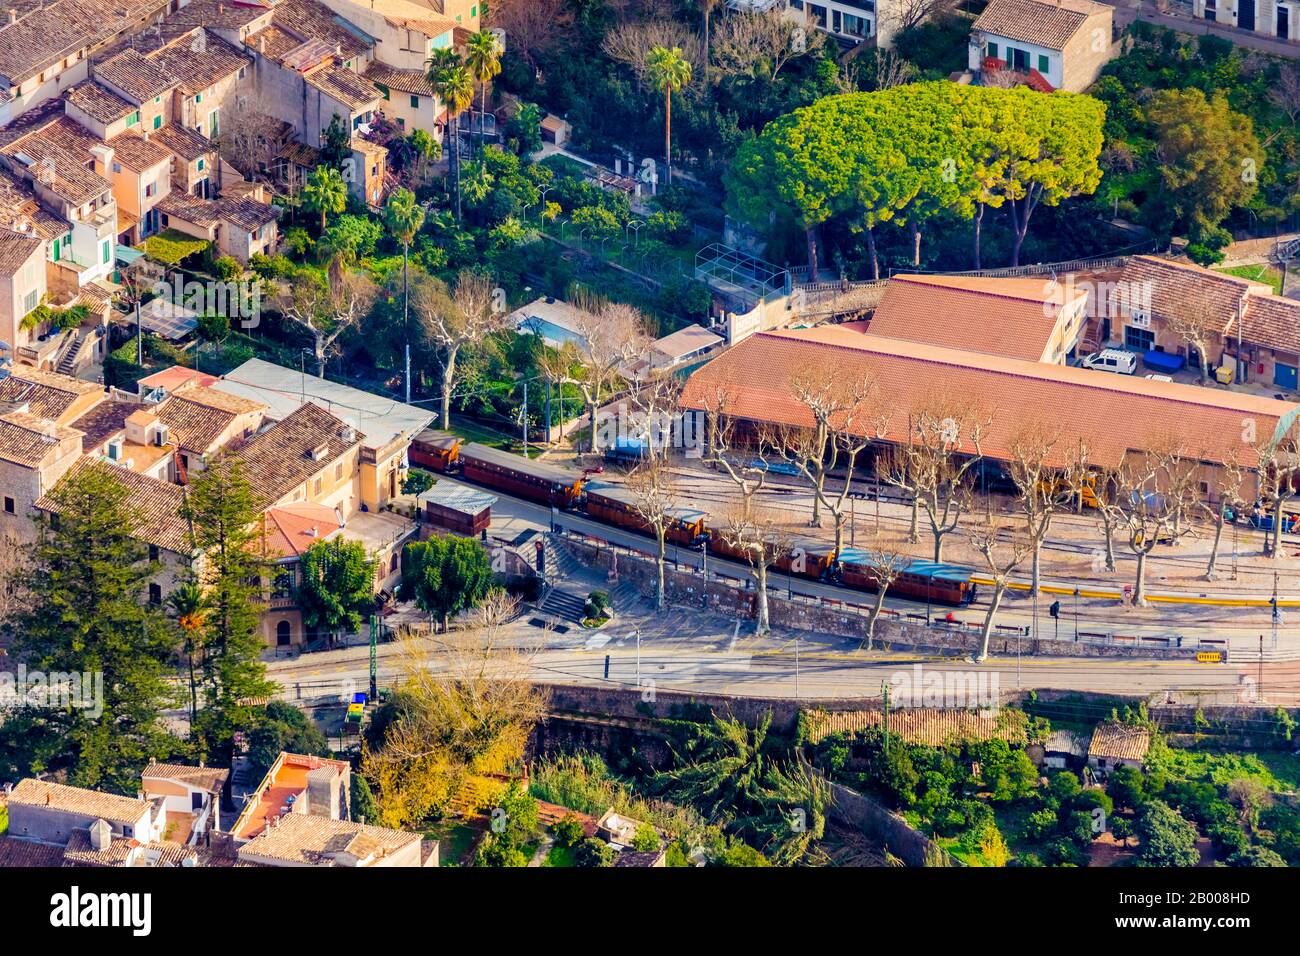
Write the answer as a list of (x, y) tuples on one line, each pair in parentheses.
[(126, 256)]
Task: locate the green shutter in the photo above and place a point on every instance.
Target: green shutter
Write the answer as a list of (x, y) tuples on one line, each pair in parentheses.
[(157, 122), (1042, 64), (993, 50), (415, 102)]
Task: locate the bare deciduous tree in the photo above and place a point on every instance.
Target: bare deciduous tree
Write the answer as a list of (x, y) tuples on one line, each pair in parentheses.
[(1039, 493), (905, 14), (761, 44), (1230, 491), (249, 139), (1284, 93), (755, 532), (533, 27), (610, 339), (656, 497), (1002, 557), (943, 446), (1197, 326), (327, 312), (454, 320), (887, 563), (845, 418), (1150, 505), (1279, 464)]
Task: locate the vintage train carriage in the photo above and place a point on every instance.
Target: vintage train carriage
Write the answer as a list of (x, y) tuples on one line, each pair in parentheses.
[(919, 580), (434, 449), (615, 505), (519, 476), (811, 561)]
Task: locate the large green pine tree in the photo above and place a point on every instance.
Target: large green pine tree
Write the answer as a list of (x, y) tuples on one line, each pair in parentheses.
[(223, 511), (338, 585), (88, 578)]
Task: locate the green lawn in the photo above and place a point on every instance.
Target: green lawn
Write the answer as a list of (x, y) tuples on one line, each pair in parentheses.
[(1261, 273), (473, 431), (560, 856), (455, 839)]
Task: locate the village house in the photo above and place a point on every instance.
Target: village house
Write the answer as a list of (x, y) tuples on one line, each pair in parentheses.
[(1280, 19), (34, 454), (1118, 745), (190, 799), (1049, 44)]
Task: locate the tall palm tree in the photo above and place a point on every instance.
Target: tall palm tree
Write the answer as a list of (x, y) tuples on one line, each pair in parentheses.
[(404, 217), (483, 60), (325, 192), (455, 88), (668, 71), (188, 611), (707, 7)]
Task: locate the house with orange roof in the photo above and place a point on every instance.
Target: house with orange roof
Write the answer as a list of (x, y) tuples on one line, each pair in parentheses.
[(296, 784)]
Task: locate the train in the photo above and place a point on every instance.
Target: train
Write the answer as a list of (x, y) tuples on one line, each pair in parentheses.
[(614, 504)]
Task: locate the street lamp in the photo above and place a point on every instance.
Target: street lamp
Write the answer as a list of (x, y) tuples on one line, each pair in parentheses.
[(637, 223), (637, 635)]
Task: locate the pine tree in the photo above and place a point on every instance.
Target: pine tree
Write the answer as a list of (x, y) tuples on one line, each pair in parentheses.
[(88, 577), (222, 511), (338, 585)]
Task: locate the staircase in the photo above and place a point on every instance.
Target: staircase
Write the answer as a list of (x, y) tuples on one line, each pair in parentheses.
[(624, 595), (560, 562), (565, 605), (1284, 251), (70, 354)]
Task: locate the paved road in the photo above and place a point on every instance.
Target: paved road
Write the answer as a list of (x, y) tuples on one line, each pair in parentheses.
[(1126, 11)]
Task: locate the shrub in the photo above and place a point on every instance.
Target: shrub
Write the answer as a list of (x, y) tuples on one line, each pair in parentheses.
[(645, 838), (227, 268), (1167, 839), (568, 831), (592, 852)]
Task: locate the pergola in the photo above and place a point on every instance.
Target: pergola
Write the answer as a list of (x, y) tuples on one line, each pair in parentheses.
[(731, 272)]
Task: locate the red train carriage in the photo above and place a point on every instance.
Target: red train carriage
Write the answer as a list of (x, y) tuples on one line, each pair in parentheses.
[(919, 580), (516, 475), (615, 505), (435, 450)]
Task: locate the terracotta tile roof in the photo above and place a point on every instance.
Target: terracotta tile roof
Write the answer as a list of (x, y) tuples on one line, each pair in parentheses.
[(174, 378), (1011, 317), (191, 209), (28, 853), (1115, 741), (15, 249), (102, 422), (198, 60), (274, 42), (1176, 288), (137, 153), (99, 102), (92, 803), (135, 75), (1085, 404), (184, 142), (27, 440), (312, 20), (196, 420), (404, 81), (1046, 23), (211, 779), (48, 394), (247, 214), (1272, 321), (296, 448), (302, 839), (347, 86), (48, 32), (156, 505), (289, 530), (64, 145), (18, 204), (123, 851), (928, 726)]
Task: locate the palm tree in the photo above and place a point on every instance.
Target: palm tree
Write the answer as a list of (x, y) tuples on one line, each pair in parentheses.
[(404, 217), (188, 610), (455, 87), (668, 71), (483, 60), (707, 7), (325, 193), (721, 773)]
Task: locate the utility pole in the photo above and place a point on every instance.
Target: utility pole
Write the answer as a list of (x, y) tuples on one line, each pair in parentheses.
[(524, 418), (704, 568), (1277, 611), (796, 667), (884, 690), (1076, 615), (374, 656), (548, 413), (1259, 682), (637, 633)]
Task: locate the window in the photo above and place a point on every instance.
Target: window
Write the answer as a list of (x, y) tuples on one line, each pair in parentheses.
[(198, 98), (9, 505), (107, 251), (1042, 64), (382, 89), (242, 72), (153, 552), (155, 594), (282, 632), (1137, 339), (993, 50), (157, 99), (133, 118), (316, 486), (415, 102), (157, 121), (117, 167), (30, 301), (199, 165), (283, 583), (148, 189), (338, 471)]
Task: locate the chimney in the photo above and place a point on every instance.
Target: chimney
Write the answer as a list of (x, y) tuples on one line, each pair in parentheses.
[(261, 44), (101, 835), (13, 16)]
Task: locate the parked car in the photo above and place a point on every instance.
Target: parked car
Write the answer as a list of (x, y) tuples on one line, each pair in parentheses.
[(1111, 360)]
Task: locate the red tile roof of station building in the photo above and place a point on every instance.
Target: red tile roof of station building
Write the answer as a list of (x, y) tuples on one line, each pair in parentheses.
[(1011, 317), (1110, 414), (1174, 288), (1272, 321)]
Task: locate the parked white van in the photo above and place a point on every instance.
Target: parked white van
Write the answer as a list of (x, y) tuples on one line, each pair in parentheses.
[(1112, 360)]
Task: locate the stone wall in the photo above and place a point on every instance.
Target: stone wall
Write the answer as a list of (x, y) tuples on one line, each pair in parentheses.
[(860, 812), (726, 595)]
